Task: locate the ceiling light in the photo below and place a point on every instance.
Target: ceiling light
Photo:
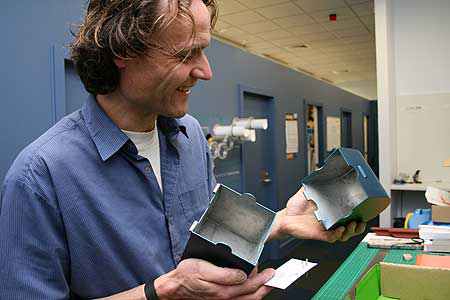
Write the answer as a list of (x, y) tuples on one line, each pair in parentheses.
[(339, 72), (299, 46)]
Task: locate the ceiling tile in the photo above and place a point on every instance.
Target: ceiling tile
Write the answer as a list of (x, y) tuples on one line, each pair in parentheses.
[(349, 32), (243, 18), (230, 7), (345, 52), (341, 14), (260, 3), (291, 21), (353, 2), (317, 36), (323, 61), (260, 45), (274, 35), (327, 43), (279, 11), (368, 20), (221, 25), (363, 9), (283, 55), (357, 39), (306, 29), (250, 39), (305, 52), (315, 5), (260, 27), (267, 50), (233, 31), (364, 46), (288, 42), (343, 24)]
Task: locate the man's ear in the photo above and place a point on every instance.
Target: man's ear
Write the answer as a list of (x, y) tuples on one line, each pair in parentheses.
[(120, 63)]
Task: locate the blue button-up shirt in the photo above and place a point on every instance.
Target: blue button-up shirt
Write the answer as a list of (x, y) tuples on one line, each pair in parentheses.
[(82, 212)]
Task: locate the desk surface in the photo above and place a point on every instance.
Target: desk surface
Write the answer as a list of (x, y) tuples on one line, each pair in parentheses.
[(362, 258)]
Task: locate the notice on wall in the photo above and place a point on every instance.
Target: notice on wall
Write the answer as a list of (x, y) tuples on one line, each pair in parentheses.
[(333, 133), (291, 133)]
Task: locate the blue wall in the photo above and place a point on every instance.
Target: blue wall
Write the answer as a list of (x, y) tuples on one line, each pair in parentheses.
[(30, 85), (217, 101)]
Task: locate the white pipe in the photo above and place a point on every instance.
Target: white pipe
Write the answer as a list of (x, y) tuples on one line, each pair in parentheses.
[(251, 123), (236, 131)]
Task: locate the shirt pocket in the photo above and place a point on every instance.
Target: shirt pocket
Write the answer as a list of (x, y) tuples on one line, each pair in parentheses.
[(194, 199)]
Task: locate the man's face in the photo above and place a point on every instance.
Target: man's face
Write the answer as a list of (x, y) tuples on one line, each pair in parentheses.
[(161, 82)]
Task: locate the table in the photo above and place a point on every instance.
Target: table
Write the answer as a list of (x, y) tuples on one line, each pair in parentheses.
[(341, 284)]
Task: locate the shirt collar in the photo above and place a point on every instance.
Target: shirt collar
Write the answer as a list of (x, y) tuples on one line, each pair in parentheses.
[(171, 126), (107, 136)]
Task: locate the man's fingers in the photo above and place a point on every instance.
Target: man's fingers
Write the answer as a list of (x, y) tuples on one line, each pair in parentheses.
[(360, 228), (254, 272), (332, 236), (251, 285), (349, 231), (312, 206), (223, 276)]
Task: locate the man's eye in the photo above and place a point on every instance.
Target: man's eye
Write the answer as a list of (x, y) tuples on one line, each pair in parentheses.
[(187, 56)]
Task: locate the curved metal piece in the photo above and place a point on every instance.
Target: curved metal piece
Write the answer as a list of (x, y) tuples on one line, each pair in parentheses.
[(345, 189)]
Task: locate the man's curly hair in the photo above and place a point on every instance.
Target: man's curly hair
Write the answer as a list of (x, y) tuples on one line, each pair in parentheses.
[(123, 29)]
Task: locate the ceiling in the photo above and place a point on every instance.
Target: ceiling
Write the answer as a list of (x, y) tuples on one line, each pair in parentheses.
[(298, 34)]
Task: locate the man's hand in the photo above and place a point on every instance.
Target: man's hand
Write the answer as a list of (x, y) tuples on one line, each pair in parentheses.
[(198, 279), (298, 220)]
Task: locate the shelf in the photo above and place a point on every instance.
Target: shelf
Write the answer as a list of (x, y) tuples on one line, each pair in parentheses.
[(420, 187)]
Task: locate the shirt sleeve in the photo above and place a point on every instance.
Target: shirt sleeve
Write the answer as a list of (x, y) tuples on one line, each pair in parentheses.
[(33, 254)]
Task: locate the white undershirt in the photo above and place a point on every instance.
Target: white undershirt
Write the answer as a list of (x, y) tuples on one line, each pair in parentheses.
[(147, 144)]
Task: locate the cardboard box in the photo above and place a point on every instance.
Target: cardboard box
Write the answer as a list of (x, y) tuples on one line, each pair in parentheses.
[(440, 214), (397, 281)]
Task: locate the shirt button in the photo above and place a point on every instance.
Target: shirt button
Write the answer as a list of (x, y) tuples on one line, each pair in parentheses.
[(148, 169)]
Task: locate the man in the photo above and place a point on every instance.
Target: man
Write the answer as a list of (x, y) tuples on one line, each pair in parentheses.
[(100, 204)]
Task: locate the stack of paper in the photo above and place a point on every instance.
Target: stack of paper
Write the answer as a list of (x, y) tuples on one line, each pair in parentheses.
[(436, 237)]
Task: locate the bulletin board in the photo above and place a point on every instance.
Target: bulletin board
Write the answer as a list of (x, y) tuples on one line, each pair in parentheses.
[(423, 135), (291, 128), (333, 133)]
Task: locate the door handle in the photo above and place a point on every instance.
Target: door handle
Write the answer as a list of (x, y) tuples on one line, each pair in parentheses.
[(264, 176)]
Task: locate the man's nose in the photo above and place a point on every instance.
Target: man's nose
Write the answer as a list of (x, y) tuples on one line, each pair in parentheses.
[(202, 70)]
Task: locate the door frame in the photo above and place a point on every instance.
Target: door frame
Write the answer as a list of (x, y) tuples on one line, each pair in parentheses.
[(59, 56), (243, 89), (365, 114), (321, 126), (346, 110)]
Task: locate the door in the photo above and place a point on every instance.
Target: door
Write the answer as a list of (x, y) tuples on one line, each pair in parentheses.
[(346, 129), (314, 124), (258, 158)]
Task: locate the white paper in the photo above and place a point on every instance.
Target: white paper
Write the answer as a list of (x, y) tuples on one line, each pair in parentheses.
[(333, 133), (291, 136), (437, 196), (289, 272)]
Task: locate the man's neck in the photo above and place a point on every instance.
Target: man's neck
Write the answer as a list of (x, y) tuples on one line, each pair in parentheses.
[(125, 114)]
